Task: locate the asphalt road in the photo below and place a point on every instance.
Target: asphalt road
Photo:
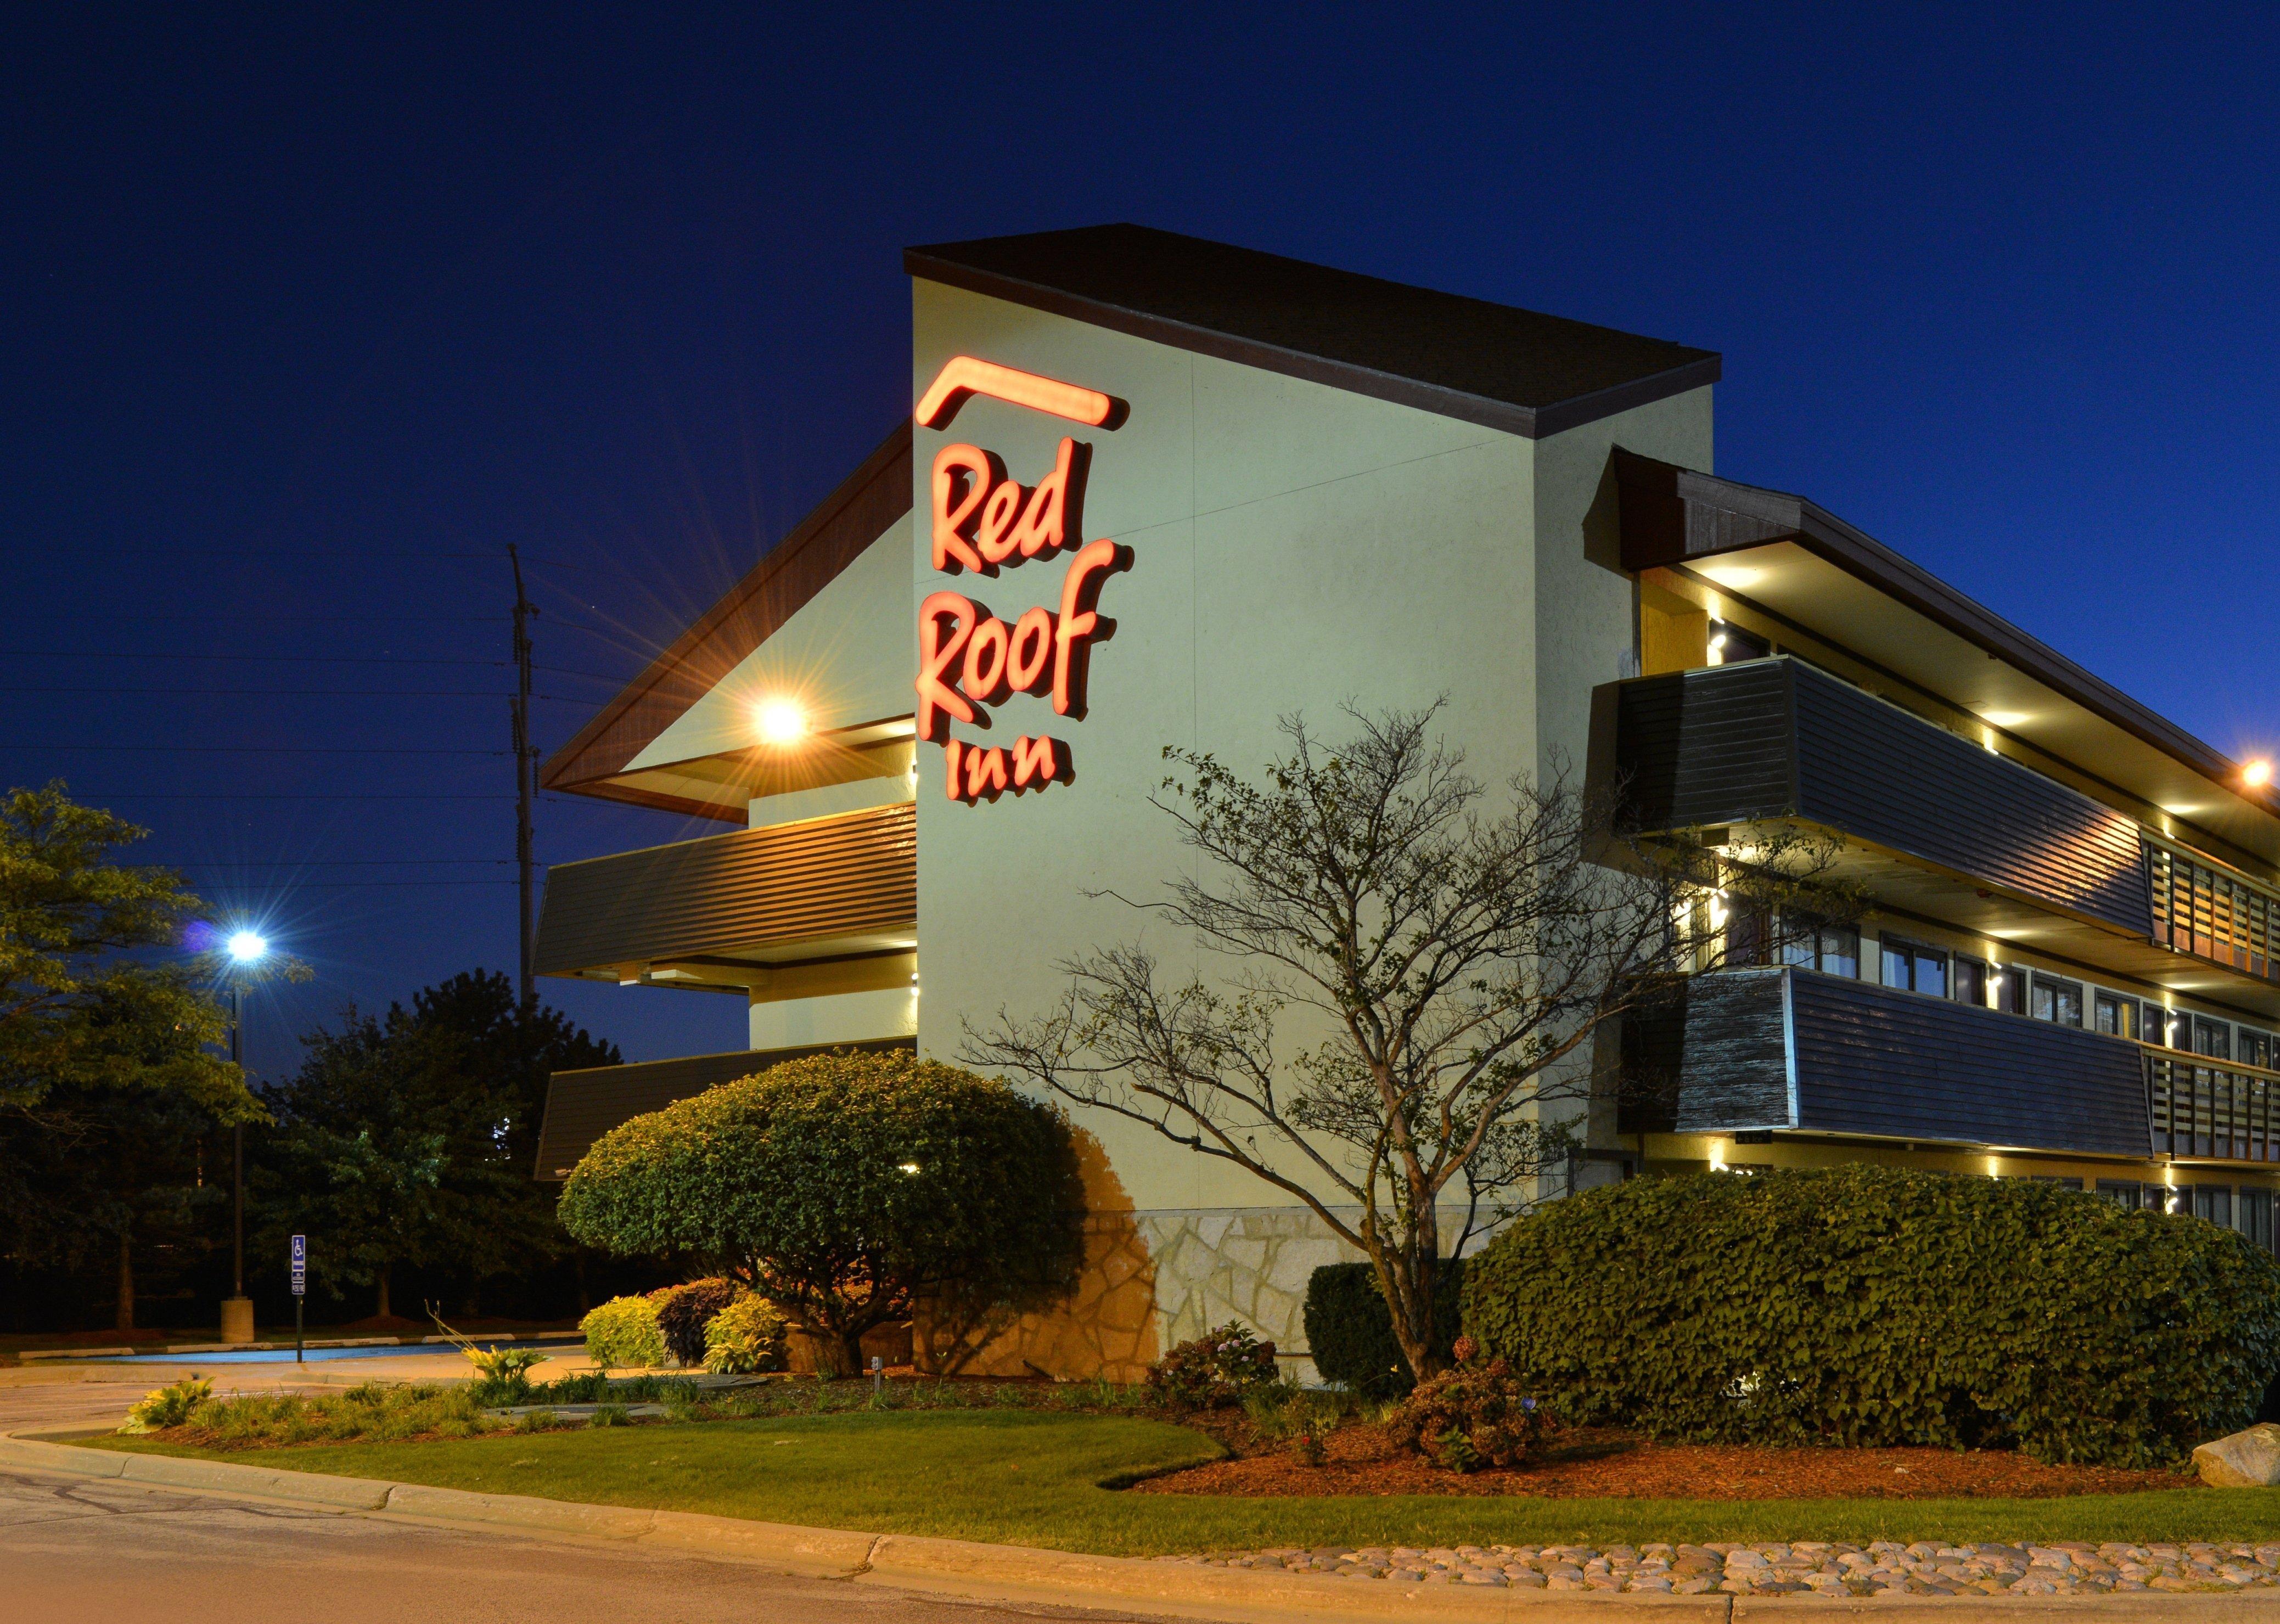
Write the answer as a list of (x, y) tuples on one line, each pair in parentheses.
[(75, 1548)]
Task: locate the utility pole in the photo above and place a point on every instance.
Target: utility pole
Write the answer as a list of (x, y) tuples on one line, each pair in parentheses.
[(526, 765)]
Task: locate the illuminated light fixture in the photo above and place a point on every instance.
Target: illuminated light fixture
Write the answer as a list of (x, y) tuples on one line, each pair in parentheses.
[(2002, 718), (246, 946), (781, 723), (2257, 774), (910, 1166), (2180, 812), (1734, 576), (965, 376), (1718, 650)]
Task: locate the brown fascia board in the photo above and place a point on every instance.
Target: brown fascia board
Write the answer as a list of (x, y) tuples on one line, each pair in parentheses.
[(1533, 422), (1661, 505), (822, 544)]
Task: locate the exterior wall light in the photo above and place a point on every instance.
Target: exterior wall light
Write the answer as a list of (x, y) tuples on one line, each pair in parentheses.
[(910, 1166), (780, 722), (246, 946), (2257, 774)]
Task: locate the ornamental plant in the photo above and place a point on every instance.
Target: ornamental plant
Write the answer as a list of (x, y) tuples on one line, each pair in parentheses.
[(622, 1333), (746, 1336), (1216, 1368), (1469, 1418), (1878, 1305), (848, 1189), (170, 1406), (684, 1311)]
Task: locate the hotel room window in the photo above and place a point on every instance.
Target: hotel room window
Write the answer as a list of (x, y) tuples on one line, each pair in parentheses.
[(2114, 1016), (1729, 645), (1915, 966), (2252, 1048), (2011, 990), (1970, 979), (2212, 1038), (1833, 950), (2256, 1217), (2160, 1026), (2057, 1001), (2213, 1201), (2122, 1193)]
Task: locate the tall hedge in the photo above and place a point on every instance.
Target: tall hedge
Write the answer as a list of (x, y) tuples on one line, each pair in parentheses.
[(1871, 1305), (1350, 1329)]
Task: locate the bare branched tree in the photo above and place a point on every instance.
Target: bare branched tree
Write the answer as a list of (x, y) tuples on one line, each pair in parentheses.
[(1450, 965)]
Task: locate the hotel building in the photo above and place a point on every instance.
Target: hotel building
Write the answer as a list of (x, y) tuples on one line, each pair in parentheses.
[(1157, 491)]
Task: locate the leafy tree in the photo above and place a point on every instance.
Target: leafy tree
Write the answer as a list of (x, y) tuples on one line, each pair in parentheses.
[(406, 1138), (847, 1188), (1448, 966), (79, 1009), (108, 1078)]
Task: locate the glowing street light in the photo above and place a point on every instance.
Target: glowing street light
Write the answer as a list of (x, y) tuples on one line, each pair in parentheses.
[(245, 948)]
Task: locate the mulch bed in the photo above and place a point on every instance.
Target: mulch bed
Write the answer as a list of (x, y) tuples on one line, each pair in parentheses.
[(1594, 1463)]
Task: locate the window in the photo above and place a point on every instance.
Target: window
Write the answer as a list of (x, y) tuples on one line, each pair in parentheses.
[(2116, 1017), (1731, 645), (2053, 1178), (2124, 1193), (2011, 990), (2160, 1026), (2057, 1001), (2213, 1201), (2212, 1038), (1914, 967), (1833, 950), (2252, 1048), (1970, 981), (2256, 1217)]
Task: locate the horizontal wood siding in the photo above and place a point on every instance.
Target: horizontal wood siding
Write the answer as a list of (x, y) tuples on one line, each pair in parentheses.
[(1878, 1060), (1872, 770), (835, 876), (1699, 748), (583, 1105), (1711, 1059)]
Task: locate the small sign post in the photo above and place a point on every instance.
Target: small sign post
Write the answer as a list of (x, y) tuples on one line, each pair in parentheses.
[(300, 1289)]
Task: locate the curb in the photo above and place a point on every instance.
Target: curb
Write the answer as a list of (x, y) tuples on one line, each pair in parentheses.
[(975, 1571)]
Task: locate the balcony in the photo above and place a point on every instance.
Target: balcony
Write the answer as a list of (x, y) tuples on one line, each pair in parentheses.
[(793, 910), (583, 1105), (1934, 824), (1794, 1050)]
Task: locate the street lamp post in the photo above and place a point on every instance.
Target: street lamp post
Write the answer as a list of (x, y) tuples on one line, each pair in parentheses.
[(245, 948)]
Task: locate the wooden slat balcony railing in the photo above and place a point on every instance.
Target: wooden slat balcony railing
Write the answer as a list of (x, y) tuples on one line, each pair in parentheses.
[(851, 881), (2213, 914), (2205, 1107)]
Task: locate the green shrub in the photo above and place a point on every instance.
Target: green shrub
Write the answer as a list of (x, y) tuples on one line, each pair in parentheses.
[(747, 1335), (849, 1187), (684, 1311), (1219, 1367), (371, 1413), (172, 1405), (1871, 1305), (1464, 1419), (1351, 1331), (622, 1333), (610, 1415)]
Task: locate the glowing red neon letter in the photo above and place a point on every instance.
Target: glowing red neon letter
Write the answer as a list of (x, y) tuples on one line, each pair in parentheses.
[(1080, 590), (985, 662), (963, 376), (1045, 523), (936, 695), (1039, 762), (951, 547), (1031, 650), (985, 772)]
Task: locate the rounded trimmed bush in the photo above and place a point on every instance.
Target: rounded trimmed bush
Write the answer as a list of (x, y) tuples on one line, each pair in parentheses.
[(622, 1334), (685, 1310), (1879, 1305), (746, 1336), (847, 1187), (1350, 1330)]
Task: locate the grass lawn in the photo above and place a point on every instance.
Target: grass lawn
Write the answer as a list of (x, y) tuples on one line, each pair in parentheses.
[(1028, 1479)]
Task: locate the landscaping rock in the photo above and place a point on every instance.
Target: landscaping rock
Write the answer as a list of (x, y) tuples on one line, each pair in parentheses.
[(2247, 1459)]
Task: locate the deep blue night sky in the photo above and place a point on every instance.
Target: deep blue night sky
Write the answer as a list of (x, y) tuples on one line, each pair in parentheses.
[(308, 312)]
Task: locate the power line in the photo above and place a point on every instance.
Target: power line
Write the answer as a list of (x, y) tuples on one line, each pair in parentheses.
[(270, 750), (309, 693), (149, 794), (339, 862), (283, 660)]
